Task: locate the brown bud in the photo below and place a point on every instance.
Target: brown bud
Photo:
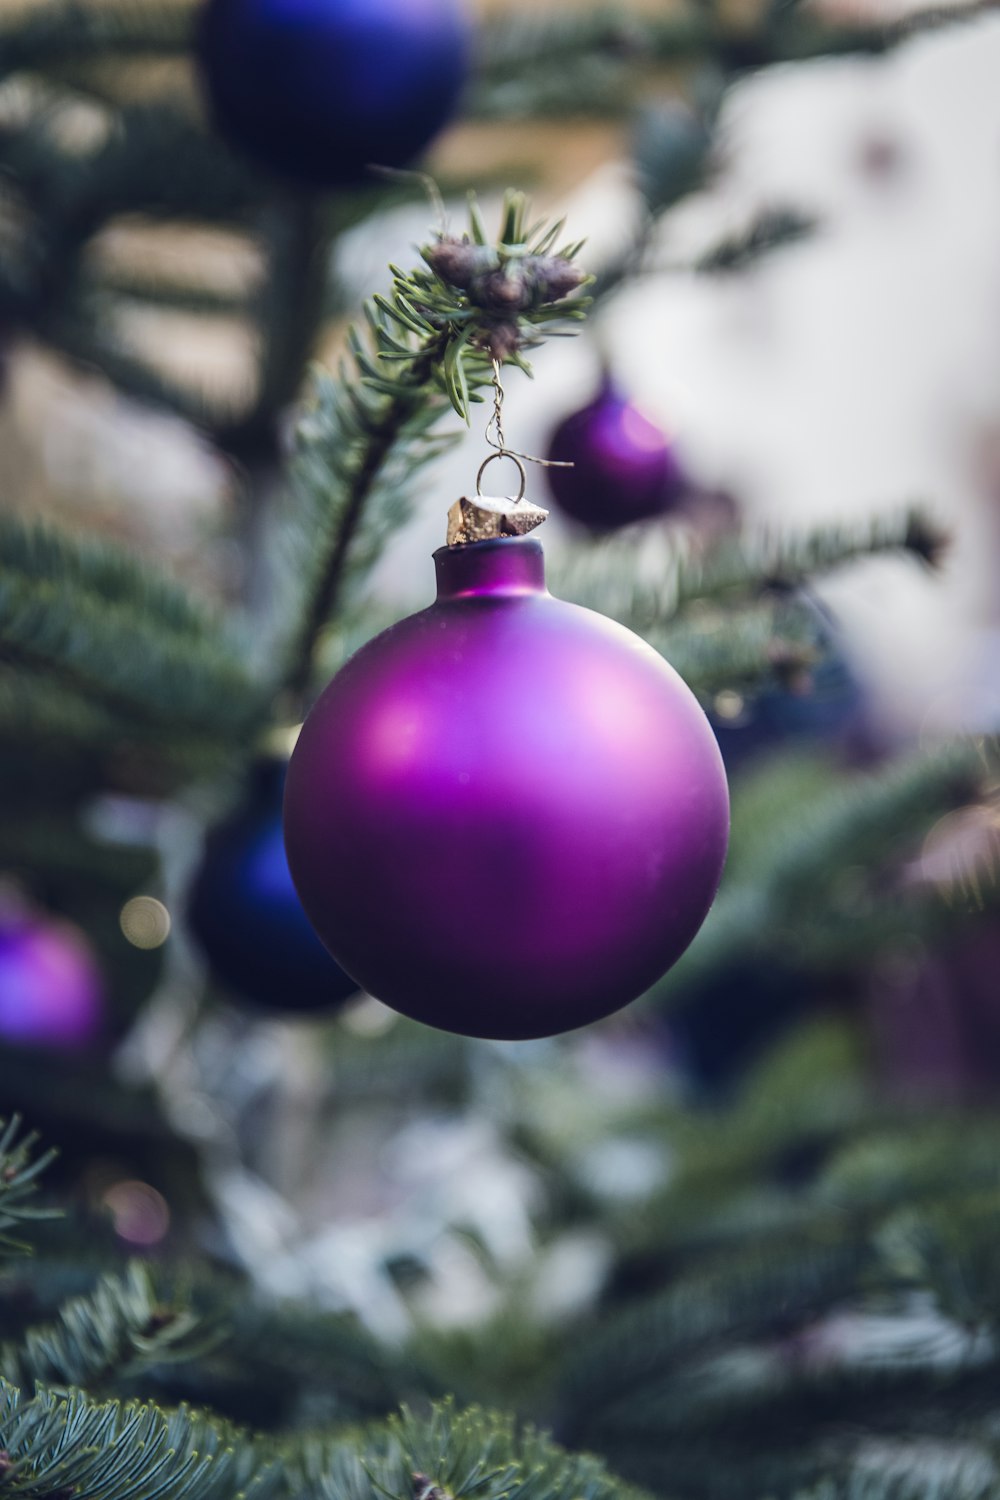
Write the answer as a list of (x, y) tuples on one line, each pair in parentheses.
[(502, 340), (502, 291), (459, 261), (554, 277)]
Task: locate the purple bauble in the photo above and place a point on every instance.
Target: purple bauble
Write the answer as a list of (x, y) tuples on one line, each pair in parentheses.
[(50, 988), (319, 90), (624, 468), (507, 815)]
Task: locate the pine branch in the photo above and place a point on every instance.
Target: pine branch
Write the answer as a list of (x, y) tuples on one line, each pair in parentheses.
[(644, 587), (739, 649), (451, 1455), (118, 636), (49, 841), (88, 338), (37, 36), (772, 230), (795, 885), (547, 63), (62, 1445), (114, 1332), (20, 1170), (755, 1295), (37, 553), (427, 348)]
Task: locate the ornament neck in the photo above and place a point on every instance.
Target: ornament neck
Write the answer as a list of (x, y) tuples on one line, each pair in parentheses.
[(499, 567)]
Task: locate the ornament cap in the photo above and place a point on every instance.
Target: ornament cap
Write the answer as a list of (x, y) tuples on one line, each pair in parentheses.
[(494, 568), (485, 516)]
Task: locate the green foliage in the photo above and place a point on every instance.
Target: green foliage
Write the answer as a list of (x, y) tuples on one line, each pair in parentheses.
[(812, 1198), (424, 350), (821, 1275), (545, 62), (32, 37), (772, 230), (57, 1444), (646, 588), (112, 1333), (20, 1169), (456, 1454), (818, 879), (121, 638), (729, 618)]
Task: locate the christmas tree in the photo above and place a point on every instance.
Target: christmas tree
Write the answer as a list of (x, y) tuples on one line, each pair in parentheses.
[(261, 1235)]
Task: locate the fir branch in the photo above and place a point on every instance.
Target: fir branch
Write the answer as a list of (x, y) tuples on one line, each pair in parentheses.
[(646, 586), (427, 347), (130, 666), (772, 230), (145, 286), (546, 63), (40, 554), (89, 338), (467, 1455), (40, 35), (737, 649), (114, 1332), (20, 1169), (755, 1295), (795, 885), (64, 1445)]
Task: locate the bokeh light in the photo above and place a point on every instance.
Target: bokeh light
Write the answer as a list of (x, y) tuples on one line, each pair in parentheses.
[(145, 922), (139, 1213)]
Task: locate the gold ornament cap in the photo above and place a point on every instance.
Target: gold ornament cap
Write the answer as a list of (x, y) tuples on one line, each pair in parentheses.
[(485, 516)]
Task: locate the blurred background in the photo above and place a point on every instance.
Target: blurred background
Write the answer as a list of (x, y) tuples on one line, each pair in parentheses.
[(792, 215)]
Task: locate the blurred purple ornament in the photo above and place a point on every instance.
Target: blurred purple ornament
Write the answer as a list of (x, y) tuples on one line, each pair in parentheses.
[(933, 996), (507, 815), (624, 468), (51, 994), (319, 90), (934, 1013)]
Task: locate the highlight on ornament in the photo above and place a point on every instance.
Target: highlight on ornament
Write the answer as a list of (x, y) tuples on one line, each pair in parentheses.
[(611, 466), (52, 991)]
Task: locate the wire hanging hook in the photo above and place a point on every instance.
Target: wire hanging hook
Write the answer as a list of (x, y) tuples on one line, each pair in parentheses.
[(496, 439)]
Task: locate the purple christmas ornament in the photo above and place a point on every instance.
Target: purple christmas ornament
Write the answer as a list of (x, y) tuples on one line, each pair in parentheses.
[(50, 988), (507, 815), (624, 468)]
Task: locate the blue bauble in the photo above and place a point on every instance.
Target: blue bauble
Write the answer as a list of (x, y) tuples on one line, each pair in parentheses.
[(829, 705), (318, 90), (247, 918)]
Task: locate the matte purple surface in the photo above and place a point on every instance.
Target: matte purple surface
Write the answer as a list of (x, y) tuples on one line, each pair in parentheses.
[(624, 468), (506, 816), (50, 990)]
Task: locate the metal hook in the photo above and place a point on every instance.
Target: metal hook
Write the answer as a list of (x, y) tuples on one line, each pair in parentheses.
[(495, 437), (491, 458)]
